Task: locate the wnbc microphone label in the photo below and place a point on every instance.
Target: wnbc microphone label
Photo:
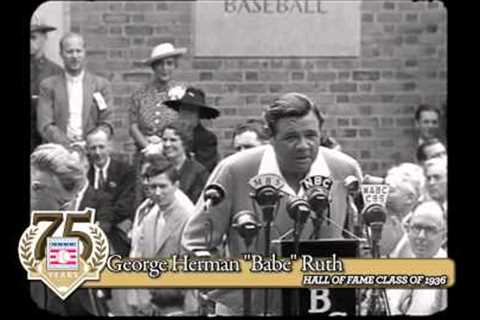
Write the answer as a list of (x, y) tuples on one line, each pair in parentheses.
[(317, 181)]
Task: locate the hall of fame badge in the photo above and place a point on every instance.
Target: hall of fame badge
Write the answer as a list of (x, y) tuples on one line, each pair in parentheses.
[(63, 249)]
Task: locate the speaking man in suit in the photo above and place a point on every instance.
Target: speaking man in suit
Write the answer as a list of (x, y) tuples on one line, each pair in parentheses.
[(294, 154), (73, 103), (116, 178)]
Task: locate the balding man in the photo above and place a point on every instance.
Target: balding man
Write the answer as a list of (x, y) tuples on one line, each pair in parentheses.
[(426, 233), (75, 102)]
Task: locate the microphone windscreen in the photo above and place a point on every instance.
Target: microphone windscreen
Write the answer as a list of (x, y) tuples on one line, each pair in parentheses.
[(298, 209), (374, 213), (214, 192)]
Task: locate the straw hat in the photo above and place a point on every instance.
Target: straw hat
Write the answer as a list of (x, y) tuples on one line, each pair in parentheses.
[(164, 50)]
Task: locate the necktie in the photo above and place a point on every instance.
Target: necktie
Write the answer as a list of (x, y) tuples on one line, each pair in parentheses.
[(101, 180)]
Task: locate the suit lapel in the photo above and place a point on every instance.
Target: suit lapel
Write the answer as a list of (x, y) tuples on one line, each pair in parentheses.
[(171, 226), (87, 98), (149, 225), (63, 107)]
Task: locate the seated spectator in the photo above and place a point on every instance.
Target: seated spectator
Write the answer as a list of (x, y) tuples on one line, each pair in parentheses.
[(432, 148), (426, 232), (177, 141), (249, 134), (427, 123), (116, 178), (191, 106), (158, 226)]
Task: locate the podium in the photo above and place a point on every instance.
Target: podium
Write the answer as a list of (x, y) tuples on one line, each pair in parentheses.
[(321, 301)]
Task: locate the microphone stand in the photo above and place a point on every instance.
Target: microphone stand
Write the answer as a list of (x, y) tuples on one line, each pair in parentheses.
[(247, 228), (299, 210), (269, 211), (379, 303), (213, 195)]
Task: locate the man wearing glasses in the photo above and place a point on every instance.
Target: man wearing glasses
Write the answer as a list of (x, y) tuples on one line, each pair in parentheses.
[(426, 232)]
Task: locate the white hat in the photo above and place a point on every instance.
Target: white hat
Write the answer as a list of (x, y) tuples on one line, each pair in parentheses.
[(164, 50)]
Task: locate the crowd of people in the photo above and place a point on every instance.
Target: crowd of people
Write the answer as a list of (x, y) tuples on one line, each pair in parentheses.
[(154, 207)]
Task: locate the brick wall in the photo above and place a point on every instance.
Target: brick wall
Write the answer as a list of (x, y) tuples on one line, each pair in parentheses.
[(369, 101)]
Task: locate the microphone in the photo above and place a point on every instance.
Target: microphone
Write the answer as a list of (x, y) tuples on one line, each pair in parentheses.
[(299, 210), (352, 184), (317, 189), (247, 225), (213, 195), (375, 216), (318, 200), (266, 193)]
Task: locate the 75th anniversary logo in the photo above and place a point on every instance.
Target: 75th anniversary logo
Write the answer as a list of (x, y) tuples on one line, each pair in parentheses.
[(63, 249)]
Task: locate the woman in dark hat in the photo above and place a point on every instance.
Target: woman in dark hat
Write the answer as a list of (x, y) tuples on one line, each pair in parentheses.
[(40, 68), (147, 113), (191, 107)]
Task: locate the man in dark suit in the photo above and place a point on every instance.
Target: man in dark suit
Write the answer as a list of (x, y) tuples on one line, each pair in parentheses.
[(116, 178), (73, 103), (294, 154), (40, 68)]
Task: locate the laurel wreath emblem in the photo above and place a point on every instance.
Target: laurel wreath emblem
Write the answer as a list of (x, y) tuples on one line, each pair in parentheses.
[(26, 250), (99, 253)]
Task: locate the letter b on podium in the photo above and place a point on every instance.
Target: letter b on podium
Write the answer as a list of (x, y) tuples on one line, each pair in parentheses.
[(322, 301)]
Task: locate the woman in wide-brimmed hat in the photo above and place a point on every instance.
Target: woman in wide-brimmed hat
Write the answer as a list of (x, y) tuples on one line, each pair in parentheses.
[(147, 113), (191, 107)]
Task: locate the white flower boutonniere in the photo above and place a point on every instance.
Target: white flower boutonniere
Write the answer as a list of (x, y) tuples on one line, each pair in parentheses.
[(176, 93)]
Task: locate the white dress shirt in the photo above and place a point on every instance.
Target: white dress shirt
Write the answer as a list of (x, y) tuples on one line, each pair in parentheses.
[(103, 171), (75, 106)]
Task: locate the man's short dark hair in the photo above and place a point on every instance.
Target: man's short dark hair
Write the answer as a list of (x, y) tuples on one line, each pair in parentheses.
[(291, 105), (421, 155), (425, 107), (158, 165), (256, 125), (95, 130)]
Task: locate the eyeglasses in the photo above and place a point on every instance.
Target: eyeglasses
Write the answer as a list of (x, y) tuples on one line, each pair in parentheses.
[(430, 231)]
